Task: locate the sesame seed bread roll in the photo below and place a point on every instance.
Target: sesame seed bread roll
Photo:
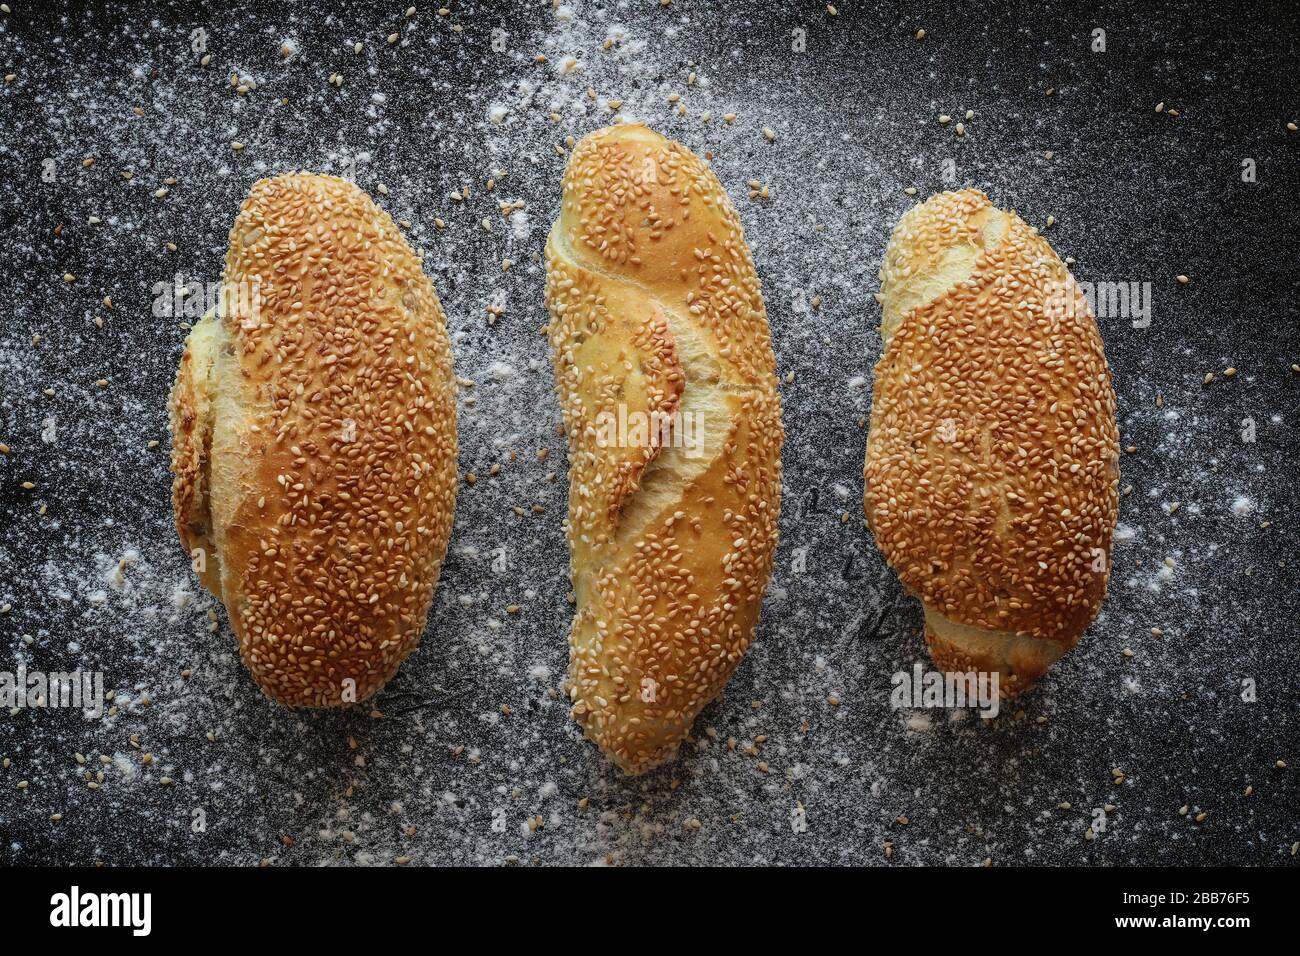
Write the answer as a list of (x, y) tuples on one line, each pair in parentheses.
[(992, 462), (314, 442), (657, 315)]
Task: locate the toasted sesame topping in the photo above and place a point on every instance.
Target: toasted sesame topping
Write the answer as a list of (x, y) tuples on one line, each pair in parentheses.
[(655, 303), (991, 472), (328, 516)]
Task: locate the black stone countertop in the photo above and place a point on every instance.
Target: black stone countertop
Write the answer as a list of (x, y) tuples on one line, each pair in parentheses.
[(92, 576)]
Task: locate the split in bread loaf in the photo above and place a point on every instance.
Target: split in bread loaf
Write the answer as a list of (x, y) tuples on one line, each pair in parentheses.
[(314, 442), (992, 467), (657, 315)]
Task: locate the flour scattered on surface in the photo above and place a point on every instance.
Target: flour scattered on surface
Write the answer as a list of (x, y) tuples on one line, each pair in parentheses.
[(470, 755)]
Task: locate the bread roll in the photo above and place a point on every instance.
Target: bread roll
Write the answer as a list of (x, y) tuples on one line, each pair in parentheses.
[(993, 458), (314, 442), (657, 315)]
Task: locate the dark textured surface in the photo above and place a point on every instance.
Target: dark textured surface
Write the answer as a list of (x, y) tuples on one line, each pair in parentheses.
[(1138, 196)]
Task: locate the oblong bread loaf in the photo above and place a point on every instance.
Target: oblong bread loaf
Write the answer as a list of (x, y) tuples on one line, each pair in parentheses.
[(992, 475), (313, 429), (657, 317)]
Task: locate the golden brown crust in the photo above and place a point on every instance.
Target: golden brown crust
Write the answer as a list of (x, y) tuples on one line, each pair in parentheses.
[(186, 414), (656, 307), (189, 414), (316, 435), (992, 462)]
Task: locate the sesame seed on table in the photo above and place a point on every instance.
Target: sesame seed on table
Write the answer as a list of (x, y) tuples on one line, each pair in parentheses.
[(1167, 158)]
